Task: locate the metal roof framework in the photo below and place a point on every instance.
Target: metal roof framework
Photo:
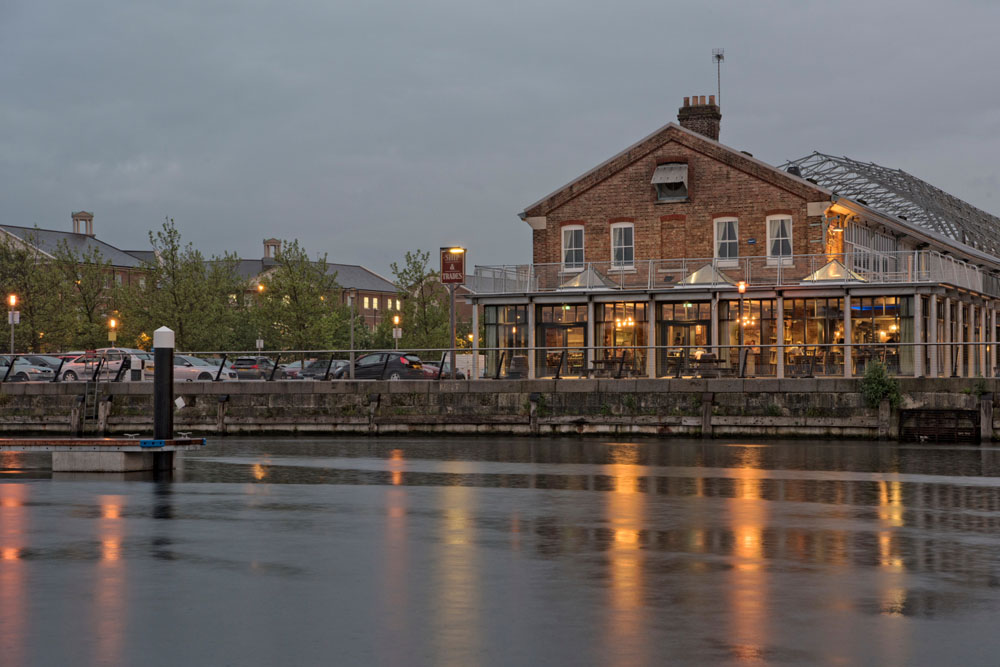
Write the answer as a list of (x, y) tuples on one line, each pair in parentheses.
[(897, 193)]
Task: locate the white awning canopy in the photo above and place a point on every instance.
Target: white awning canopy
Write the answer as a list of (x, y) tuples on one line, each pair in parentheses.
[(671, 173)]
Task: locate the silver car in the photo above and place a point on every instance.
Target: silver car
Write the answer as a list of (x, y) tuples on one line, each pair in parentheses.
[(24, 371), (188, 368)]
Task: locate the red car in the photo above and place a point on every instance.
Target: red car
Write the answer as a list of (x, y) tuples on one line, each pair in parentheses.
[(431, 371)]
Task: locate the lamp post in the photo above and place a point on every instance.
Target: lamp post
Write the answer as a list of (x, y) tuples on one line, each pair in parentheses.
[(452, 273), (397, 331), (742, 287), (112, 330), (350, 364), (13, 317)]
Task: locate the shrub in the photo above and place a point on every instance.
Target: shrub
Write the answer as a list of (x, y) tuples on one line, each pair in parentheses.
[(877, 385)]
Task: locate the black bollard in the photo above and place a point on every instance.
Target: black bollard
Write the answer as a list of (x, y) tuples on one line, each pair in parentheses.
[(163, 392)]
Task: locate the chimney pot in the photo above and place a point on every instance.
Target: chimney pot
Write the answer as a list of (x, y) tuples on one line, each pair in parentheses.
[(699, 117), (687, 101), (711, 99)]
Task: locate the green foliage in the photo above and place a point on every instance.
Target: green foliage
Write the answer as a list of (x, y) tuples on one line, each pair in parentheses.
[(426, 306), (88, 293), (877, 385), (772, 410), (200, 300), (45, 322), (980, 387), (299, 308)]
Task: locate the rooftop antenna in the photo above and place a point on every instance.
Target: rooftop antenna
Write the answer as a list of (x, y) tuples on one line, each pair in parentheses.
[(718, 55)]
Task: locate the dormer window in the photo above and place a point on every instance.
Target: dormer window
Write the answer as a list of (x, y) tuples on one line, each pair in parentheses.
[(671, 181)]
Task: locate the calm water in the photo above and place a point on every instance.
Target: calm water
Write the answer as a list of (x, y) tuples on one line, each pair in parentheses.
[(507, 552)]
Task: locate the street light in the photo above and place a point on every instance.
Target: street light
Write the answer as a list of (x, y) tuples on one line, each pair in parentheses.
[(112, 330), (14, 317), (397, 331), (454, 257), (742, 288)]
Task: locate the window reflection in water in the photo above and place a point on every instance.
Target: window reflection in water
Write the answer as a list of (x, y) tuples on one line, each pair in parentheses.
[(13, 587), (626, 559), (748, 589), (458, 577), (109, 594), (396, 556)]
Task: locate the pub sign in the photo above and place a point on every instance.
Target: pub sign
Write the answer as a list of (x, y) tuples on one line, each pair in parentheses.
[(452, 266)]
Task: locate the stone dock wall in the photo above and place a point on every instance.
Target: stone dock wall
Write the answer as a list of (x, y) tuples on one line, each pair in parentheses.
[(828, 408)]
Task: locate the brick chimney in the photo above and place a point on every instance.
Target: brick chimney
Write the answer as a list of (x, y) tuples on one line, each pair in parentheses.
[(701, 117), (83, 220)]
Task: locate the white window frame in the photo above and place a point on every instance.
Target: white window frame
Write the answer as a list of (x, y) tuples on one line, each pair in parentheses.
[(624, 266), (784, 260), (725, 261), (583, 248)]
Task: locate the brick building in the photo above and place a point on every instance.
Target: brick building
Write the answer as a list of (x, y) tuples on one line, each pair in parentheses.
[(680, 255)]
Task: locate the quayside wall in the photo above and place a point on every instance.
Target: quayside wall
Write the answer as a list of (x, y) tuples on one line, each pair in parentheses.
[(829, 408)]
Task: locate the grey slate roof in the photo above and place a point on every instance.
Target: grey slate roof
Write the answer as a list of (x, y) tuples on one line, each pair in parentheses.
[(349, 276), (48, 241)]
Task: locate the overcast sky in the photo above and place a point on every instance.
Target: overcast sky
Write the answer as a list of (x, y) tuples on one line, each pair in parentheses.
[(365, 129)]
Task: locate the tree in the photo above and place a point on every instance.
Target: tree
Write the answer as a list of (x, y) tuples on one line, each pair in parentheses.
[(426, 318), (200, 300), (86, 294), (298, 308), (27, 273)]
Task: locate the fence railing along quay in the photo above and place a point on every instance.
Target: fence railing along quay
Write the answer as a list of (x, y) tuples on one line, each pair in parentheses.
[(856, 267), (750, 360)]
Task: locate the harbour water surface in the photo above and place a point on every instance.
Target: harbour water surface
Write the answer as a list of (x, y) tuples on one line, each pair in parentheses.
[(507, 552)]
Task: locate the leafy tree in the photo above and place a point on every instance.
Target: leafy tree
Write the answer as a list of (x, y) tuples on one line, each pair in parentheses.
[(28, 274), (298, 307), (200, 300), (425, 302), (86, 294)]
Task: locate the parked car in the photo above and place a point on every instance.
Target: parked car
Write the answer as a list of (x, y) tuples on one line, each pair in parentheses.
[(190, 368), (431, 371), (24, 370), (43, 360), (317, 370), (384, 366), (253, 368), (109, 359), (291, 370)]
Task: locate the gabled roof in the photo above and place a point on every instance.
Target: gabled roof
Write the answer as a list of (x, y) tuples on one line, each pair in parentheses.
[(674, 132), (349, 276), (896, 193), (49, 240)]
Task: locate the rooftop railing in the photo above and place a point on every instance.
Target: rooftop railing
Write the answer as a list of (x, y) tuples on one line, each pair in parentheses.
[(854, 268)]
